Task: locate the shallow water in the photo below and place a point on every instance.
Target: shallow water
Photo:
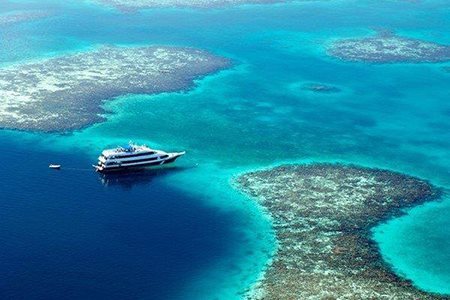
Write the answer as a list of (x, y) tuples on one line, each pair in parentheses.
[(406, 242), (186, 233)]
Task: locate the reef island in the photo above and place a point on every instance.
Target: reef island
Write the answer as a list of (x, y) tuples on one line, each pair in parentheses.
[(322, 216), (66, 92), (386, 47)]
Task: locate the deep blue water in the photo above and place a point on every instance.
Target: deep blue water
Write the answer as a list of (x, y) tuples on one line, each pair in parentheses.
[(184, 232), (73, 234)]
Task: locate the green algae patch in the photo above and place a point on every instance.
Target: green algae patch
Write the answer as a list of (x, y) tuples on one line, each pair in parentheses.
[(66, 92), (323, 215)]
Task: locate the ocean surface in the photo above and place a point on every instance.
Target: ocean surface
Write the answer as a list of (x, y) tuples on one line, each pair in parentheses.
[(184, 232)]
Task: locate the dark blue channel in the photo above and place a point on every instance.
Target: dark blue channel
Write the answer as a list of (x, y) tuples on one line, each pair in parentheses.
[(72, 234)]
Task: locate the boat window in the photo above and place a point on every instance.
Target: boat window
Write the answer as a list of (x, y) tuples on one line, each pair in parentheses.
[(135, 155), (164, 156), (140, 160)]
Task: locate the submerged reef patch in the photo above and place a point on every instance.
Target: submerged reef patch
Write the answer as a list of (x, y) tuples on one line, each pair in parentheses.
[(66, 92), (132, 5), (389, 48), (320, 88), (323, 215), (22, 16)]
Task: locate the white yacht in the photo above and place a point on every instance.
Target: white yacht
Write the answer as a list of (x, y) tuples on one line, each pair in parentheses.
[(133, 156)]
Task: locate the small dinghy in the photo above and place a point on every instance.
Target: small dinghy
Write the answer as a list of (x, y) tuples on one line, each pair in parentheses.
[(55, 167)]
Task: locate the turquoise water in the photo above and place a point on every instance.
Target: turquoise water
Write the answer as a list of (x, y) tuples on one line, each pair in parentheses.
[(406, 241), (253, 115)]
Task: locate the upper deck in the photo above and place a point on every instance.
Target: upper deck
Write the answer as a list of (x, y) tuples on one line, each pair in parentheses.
[(127, 150)]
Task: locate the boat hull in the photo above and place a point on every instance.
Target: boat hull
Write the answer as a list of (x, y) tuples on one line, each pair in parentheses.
[(140, 166)]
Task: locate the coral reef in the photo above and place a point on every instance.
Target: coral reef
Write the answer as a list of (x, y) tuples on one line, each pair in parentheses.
[(22, 16), (66, 92), (322, 215), (389, 48), (127, 5), (320, 88)]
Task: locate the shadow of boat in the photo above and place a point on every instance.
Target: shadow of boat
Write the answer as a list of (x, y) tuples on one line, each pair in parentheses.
[(128, 179)]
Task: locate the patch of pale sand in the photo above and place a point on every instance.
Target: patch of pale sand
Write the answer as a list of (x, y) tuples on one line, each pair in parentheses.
[(9, 98), (49, 84)]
